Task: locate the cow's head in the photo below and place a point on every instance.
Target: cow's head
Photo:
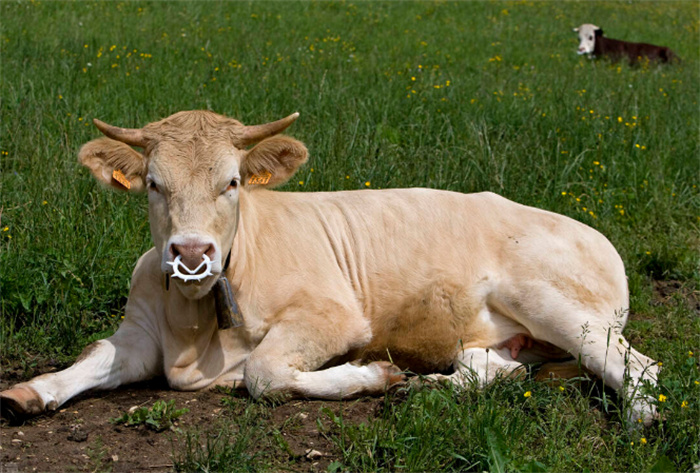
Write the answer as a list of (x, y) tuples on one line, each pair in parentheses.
[(195, 167), (587, 35)]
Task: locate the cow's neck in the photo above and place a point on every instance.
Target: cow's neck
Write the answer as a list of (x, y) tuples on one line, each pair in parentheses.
[(240, 263)]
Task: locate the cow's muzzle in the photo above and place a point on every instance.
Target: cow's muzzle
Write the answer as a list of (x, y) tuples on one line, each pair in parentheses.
[(192, 258)]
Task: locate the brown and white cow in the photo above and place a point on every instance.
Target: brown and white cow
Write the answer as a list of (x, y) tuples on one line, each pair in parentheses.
[(429, 279), (593, 43)]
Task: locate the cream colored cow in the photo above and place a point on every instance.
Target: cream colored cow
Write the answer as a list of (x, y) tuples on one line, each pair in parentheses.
[(428, 278)]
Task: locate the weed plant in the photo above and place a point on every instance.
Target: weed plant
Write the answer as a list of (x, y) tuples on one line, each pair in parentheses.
[(465, 96), (159, 417)]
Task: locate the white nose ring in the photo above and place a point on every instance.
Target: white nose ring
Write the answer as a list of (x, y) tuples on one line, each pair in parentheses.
[(191, 276)]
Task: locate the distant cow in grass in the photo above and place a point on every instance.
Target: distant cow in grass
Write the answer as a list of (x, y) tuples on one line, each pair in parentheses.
[(593, 42)]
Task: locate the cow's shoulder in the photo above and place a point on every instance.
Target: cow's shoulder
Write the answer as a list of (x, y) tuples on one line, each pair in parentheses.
[(148, 266), (147, 279)]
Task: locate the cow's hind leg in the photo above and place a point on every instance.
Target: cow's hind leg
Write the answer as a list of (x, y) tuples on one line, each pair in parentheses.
[(609, 355), (284, 363), (128, 356), (603, 350), (480, 366)]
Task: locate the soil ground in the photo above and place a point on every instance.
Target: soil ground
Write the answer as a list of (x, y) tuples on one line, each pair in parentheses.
[(80, 436)]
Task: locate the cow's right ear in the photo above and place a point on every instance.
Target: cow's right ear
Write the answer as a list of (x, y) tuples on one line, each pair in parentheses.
[(272, 161), (115, 164), (599, 32), (575, 30)]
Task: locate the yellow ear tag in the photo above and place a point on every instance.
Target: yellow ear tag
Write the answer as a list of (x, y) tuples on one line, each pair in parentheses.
[(261, 179), (119, 176)]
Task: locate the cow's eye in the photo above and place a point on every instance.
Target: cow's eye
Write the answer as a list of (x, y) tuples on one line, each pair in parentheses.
[(590, 38), (232, 185), (152, 186)]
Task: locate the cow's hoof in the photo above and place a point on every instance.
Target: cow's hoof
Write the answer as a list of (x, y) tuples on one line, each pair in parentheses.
[(432, 381), (642, 414), (20, 402), (392, 374)]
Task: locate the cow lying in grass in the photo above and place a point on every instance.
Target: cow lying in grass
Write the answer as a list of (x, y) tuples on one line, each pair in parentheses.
[(429, 279), (593, 43)]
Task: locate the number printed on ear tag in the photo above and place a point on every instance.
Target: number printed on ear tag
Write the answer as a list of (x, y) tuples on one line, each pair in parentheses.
[(261, 179)]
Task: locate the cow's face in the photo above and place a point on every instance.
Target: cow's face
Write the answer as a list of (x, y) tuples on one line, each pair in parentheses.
[(195, 168), (587, 34)]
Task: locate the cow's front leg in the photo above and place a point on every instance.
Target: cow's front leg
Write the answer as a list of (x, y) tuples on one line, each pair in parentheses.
[(285, 360), (128, 356)]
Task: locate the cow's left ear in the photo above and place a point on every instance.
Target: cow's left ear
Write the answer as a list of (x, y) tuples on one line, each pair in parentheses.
[(273, 161), (115, 164), (599, 32)]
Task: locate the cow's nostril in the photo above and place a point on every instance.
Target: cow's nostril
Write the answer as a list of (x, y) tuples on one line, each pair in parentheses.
[(192, 254)]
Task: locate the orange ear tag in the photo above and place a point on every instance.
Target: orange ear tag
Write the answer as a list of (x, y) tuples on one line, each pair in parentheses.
[(261, 179), (119, 176)]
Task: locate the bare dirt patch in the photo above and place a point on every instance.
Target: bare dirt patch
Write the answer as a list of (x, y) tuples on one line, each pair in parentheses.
[(80, 437), (674, 292)]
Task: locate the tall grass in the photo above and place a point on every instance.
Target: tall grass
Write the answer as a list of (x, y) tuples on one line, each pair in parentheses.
[(467, 96)]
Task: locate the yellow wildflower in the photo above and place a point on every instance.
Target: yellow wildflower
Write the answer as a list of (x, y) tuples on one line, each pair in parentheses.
[(527, 394), (367, 184), (643, 441), (684, 404), (662, 398)]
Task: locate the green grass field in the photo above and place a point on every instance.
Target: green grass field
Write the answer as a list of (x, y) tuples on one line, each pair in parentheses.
[(466, 96)]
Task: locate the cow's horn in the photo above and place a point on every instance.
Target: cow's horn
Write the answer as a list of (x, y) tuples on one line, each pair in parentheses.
[(130, 136), (255, 133)]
